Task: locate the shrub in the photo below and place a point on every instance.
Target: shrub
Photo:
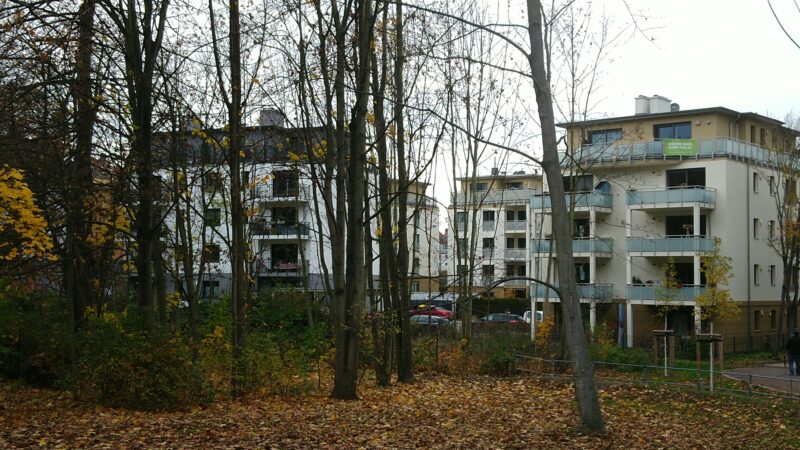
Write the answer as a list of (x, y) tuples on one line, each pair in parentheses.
[(121, 367), (497, 351), (615, 355)]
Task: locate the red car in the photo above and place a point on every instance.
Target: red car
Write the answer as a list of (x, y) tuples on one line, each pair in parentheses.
[(432, 311)]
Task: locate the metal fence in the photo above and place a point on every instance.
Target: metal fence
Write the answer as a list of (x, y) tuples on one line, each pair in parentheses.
[(700, 380)]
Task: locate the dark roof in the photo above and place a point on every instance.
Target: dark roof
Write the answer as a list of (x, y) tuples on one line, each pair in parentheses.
[(716, 109)]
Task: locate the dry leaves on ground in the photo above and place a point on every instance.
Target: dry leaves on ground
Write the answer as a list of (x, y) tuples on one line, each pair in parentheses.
[(431, 413)]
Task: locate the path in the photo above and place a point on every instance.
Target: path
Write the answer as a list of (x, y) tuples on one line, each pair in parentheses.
[(772, 376)]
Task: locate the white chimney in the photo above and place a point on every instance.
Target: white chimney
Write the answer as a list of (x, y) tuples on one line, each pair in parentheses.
[(642, 105), (659, 104)]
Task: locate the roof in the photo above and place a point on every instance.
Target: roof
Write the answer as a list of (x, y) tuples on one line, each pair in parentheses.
[(716, 109), (501, 176)]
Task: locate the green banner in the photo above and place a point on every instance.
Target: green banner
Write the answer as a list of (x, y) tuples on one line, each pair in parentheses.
[(679, 147)]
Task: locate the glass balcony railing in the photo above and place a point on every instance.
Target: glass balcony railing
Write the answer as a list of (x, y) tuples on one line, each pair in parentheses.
[(596, 291), (516, 225), (576, 200), (705, 148), (289, 230), (579, 245), (671, 244), (684, 194), (489, 225), (505, 196), (652, 292), (515, 253)]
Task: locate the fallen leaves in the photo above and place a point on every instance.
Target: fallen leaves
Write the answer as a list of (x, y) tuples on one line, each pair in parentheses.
[(431, 413)]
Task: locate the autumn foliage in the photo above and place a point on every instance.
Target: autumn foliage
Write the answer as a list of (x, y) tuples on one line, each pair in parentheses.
[(23, 230)]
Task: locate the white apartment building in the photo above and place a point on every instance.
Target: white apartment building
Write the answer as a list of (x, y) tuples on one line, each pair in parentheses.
[(288, 226), (661, 185)]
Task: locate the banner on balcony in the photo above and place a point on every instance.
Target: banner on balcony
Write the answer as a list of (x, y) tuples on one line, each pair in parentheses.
[(680, 147)]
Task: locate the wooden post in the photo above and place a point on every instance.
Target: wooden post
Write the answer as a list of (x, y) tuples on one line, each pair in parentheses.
[(672, 351)]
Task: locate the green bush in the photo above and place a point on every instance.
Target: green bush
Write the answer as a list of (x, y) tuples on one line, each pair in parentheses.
[(615, 355), (497, 350), (34, 333), (121, 367)]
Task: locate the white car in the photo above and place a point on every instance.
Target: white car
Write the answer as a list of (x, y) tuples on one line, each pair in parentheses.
[(527, 316)]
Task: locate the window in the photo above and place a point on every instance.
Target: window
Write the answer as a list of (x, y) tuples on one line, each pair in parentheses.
[(772, 275), (756, 226), (521, 215), (210, 288), (756, 271), (416, 240), (578, 183), (488, 242), (681, 130), (462, 247), (285, 184), (511, 243), (762, 137), (488, 215), (212, 182), (771, 180), (415, 266), (211, 253), (686, 177), (757, 320), (605, 136), (683, 225), (461, 217), (213, 217), (773, 319), (771, 229), (580, 228), (521, 242), (755, 182), (514, 185), (415, 286), (752, 134), (487, 270), (582, 272), (519, 293), (480, 186)]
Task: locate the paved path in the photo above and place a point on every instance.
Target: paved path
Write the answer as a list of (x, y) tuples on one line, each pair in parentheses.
[(772, 376)]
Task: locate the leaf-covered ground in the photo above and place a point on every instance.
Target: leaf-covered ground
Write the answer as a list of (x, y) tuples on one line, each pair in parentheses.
[(432, 413)]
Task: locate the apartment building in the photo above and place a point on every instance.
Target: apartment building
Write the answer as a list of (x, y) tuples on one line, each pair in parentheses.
[(491, 230), (663, 185), (287, 225)]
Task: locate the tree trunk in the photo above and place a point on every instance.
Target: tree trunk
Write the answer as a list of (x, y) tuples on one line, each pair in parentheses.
[(583, 370)]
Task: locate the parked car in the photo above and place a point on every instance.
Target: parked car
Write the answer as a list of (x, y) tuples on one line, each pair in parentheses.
[(432, 311), (527, 316), (502, 318), (429, 320)]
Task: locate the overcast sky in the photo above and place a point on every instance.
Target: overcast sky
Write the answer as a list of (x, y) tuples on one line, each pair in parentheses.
[(705, 53), (698, 53)]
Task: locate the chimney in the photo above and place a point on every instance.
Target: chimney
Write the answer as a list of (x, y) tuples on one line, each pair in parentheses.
[(495, 171), (271, 117), (642, 105), (659, 104)]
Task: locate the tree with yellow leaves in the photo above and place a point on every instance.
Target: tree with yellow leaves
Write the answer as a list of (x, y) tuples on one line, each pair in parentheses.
[(716, 303), (22, 227)]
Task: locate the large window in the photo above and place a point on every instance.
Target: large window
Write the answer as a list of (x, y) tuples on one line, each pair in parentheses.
[(686, 177), (582, 272), (681, 130), (578, 183), (683, 226), (286, 183), (605, 136), (488, 215)]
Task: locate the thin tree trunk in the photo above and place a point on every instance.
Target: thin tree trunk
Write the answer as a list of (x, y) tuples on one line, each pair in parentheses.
[(583, 370)]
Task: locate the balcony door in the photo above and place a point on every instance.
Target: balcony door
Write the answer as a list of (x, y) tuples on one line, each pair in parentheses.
[(686, 177)]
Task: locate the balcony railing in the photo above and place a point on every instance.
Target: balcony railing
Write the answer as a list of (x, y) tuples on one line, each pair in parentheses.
[(673, 195), (488, 253), (505, 196), (576, 200), (671, 244), (648, 150), (271, 191), (516, 225), (489, 225), (596, 291), (579, 245), (287, 230), (515, 253), (653, 292), (282, 267)]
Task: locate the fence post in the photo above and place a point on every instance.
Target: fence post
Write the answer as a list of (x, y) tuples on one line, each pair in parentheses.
[(750, 385), (734, 344)]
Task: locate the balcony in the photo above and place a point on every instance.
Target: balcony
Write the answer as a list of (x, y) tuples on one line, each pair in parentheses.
[(579, 201), (515, 254), (272, 193), (282, 268), (706, 148), (686, 293), (673, 197), (279, 231), (587, 291), (495, 196), (516, 226), (489, 225), (670, 246), (581, 247)]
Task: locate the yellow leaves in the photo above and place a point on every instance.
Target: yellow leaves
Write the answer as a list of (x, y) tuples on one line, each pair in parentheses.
[(21, 220), (294, 156)]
